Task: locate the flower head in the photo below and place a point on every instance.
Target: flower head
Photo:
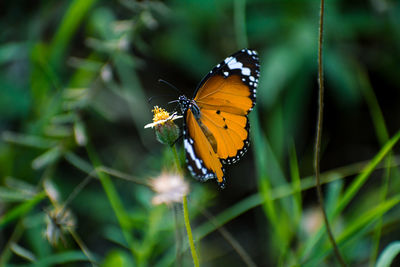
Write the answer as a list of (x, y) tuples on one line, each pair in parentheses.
[(169, 188), (161, 116), (166, 130), (59, 220)]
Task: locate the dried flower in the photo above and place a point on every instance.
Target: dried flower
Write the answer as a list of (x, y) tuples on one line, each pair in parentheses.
[(312, 220), (59, 221), (169, 188), (167, 132)]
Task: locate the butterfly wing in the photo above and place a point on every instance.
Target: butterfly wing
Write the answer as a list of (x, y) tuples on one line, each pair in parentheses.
[(202, 161), (225, 97), (245, 65), (220, 134)]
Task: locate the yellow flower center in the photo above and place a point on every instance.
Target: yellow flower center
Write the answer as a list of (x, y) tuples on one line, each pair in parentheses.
[(159, 114)]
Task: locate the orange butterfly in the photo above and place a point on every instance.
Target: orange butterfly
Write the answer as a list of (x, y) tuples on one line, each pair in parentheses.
[(216, 126)]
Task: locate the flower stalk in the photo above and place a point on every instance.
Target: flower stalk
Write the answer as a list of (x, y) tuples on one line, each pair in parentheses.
[(186, 215), (167, 132)]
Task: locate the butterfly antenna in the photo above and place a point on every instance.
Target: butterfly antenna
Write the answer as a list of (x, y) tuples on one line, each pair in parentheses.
[(170, 85), (156, 96)]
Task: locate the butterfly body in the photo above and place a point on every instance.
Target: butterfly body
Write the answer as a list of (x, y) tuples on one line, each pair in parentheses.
[(216, 126)]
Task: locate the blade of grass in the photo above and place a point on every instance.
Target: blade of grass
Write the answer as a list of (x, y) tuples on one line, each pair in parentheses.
[(69, 24), (357, 226), (115, 201), (389, 253), (382, 135), (363, 176), (28, 140), (296, 183), (332, 196), (351, 191), (15, 236), (255, 200), (60, 258), (22, 252), (280, 192), (21, 209), (270, 206)]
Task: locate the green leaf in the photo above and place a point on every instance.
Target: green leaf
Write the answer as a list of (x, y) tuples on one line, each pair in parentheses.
[(363, 176), (21, 209), (12, 195), (60, 258), (47, 158), (27, 140), (22, 252), (388, 254)]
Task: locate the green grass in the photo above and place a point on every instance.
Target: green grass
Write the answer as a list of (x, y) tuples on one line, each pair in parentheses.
[(75, 77)]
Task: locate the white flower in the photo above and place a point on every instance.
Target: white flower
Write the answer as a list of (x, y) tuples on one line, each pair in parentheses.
[(161, 116), (169, 188)]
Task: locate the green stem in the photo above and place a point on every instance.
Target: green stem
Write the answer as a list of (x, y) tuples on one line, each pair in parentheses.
[(177, 161), (178, 235), (186, 215), (189, 232), (83, 247)]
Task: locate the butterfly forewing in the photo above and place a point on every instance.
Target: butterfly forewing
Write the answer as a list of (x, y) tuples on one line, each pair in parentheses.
[(244, 65), (220, 131)]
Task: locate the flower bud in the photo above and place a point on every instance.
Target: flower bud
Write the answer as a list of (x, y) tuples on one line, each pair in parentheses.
[(167, 132)]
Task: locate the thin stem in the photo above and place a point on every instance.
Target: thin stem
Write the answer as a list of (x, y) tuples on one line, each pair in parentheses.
[(178, 235), (121, 175), (177, 161), (189, 233), (318, 136), (83, 247), (230, 239), (186, 214), (77, 190)]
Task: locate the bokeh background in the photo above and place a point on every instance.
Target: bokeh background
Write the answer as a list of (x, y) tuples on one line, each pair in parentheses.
[(75, 78)]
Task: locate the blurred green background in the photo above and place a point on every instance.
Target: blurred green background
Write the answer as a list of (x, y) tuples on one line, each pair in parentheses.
[(75, 77)]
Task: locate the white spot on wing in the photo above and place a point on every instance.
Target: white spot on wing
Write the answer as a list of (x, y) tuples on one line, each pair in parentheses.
[(227, 59), (246, 71)]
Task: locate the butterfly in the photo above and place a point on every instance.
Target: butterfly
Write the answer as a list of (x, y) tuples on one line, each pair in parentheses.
[(216, 126)]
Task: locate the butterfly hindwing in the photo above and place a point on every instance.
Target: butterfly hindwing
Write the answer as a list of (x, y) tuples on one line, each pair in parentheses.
[(201, 159)]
